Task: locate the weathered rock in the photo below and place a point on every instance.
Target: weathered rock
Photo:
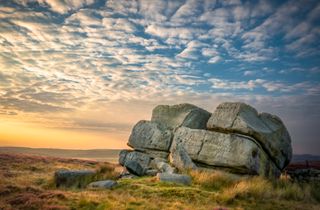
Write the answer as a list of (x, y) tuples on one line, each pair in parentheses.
[(180, 158), (127, 155), (237, 153), (162, 166), (73, 178), (123, 155), (154, 153), (105, 184), (126, 175), (150, 135), (267, 129), (186, 115), (174, 178), (135, 168), (151, 172)]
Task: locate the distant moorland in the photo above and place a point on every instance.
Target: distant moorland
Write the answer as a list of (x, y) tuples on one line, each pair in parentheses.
[(108, 155)]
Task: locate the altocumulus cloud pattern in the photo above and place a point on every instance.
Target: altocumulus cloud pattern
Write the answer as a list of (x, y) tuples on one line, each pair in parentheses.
[(66, 56)]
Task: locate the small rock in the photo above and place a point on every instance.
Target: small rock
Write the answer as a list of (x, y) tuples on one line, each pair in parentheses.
[(105, 184), (151, 172), (135, 167), (73, 178), (128, 176), (163, 166), (175, 178)]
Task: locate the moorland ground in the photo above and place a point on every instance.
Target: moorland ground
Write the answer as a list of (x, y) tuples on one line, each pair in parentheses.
[(26, 182)]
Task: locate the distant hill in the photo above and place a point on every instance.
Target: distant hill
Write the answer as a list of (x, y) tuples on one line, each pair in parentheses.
[(304, 157), (109, 155)]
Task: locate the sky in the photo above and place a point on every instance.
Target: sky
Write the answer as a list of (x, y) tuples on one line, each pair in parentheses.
[(81, 73)]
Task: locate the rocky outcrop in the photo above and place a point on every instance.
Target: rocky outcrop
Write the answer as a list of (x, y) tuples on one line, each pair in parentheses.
[(235, 138), (267, 129)]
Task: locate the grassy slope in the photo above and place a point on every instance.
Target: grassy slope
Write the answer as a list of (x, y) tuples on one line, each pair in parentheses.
[(26, 183)]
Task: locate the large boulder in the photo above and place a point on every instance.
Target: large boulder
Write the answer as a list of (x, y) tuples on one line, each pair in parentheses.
[(236, 153), (150, 135), (267, 129), (186, 115)]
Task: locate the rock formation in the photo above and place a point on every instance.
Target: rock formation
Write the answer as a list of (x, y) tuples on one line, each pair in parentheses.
[(235, 138)]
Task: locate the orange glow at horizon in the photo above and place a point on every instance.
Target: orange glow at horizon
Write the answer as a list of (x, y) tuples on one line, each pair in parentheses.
[(32, 135)]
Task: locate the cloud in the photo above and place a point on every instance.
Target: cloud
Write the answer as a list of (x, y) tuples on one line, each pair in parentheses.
[(214, 59), (58, 6), (249, 73), (61, 59)]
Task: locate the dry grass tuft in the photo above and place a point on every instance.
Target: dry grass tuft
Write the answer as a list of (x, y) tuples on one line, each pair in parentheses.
[(255, 187), (212, 180)]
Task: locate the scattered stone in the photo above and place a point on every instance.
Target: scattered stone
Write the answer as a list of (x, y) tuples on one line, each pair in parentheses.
[(174, 178), (105, 184), (305, 174), (135, 168), (73, 178), (151, 172), (163, 166), (186, 115), (267, 129)]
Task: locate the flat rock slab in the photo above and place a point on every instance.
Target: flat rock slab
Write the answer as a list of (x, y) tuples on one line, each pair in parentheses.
[(267, 129), (174, 178), (104, 184), (187, 115), (238, 153), (73, 178)]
